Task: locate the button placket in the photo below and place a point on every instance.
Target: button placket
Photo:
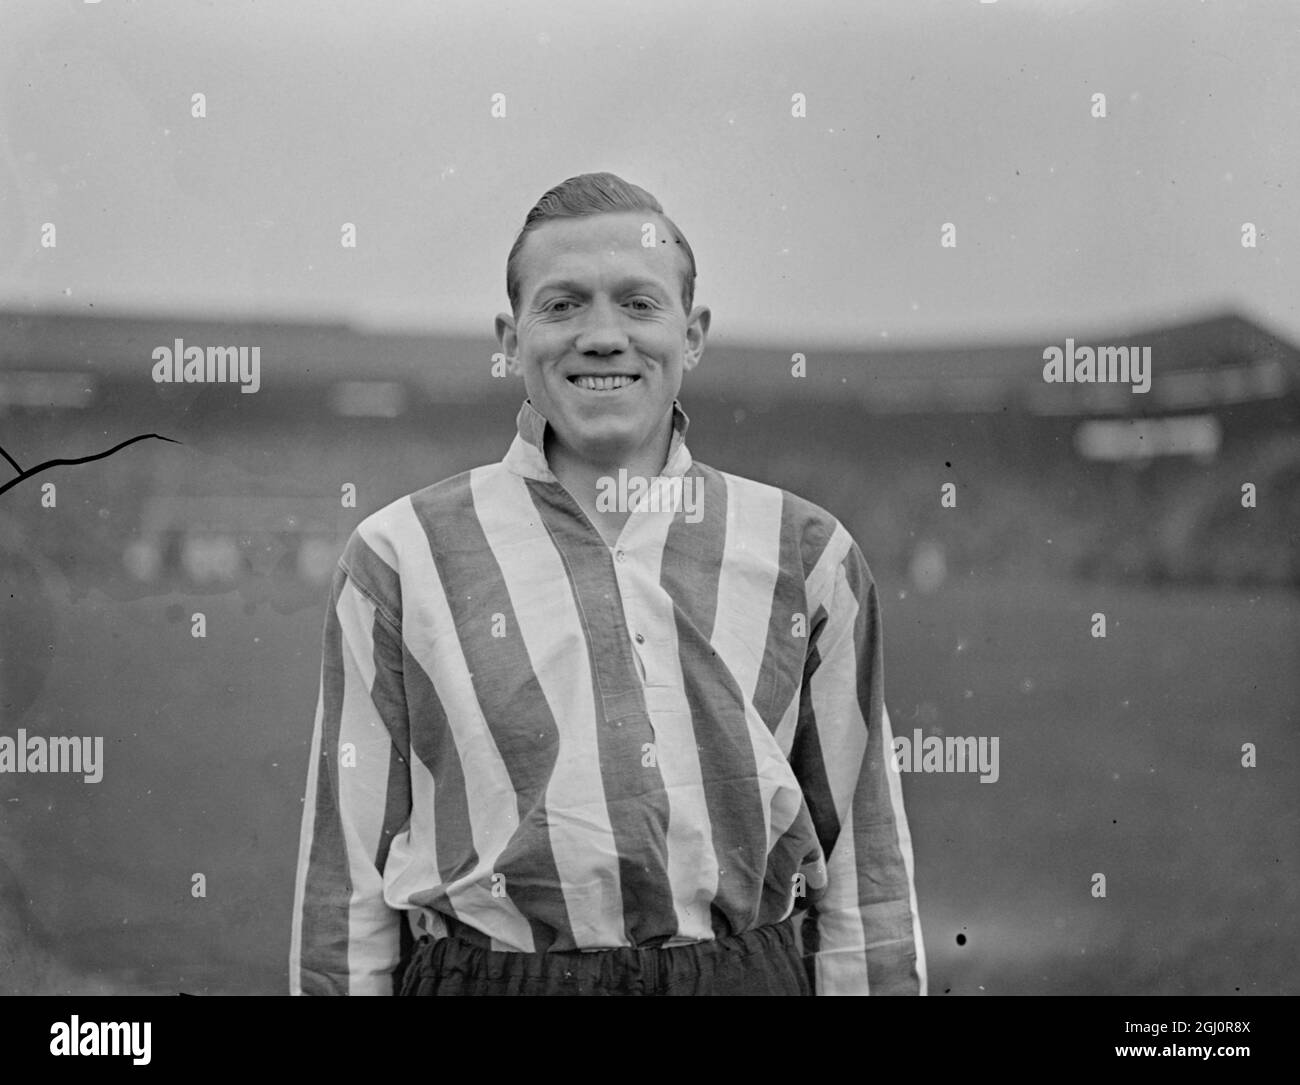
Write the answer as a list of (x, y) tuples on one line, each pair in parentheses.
[(631, 613)]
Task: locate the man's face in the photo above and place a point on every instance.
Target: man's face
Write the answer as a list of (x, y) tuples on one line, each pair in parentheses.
[(601, 339)]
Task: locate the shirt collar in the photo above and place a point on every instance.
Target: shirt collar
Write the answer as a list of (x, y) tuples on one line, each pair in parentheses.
[(527, 456)]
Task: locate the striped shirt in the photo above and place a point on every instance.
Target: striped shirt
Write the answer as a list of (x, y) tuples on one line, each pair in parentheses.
[(567, 745)]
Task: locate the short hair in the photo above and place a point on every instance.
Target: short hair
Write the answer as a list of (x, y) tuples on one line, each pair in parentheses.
[(595, 194)]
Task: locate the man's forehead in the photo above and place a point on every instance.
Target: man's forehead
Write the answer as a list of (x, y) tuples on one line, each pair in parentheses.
[(569, 243), (613, 229)]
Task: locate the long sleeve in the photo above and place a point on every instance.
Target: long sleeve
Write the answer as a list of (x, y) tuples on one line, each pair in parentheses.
[(867, 937), (346, 939)]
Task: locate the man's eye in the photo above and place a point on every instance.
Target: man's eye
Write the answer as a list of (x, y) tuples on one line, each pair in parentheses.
[(643, 301), (553, 307)]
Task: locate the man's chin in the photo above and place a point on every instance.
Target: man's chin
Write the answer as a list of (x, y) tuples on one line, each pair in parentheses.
[(601, 444)]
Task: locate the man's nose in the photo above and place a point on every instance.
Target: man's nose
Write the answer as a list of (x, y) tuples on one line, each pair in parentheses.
[(602, 329)]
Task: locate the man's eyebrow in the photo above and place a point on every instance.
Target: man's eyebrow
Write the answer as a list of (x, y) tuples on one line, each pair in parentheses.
[(635, 282)]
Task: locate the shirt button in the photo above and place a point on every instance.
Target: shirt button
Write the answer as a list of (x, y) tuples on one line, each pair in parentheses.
[(640, 639), (620, 555)]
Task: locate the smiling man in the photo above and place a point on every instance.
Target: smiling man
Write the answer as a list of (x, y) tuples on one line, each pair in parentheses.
[(582, 746)]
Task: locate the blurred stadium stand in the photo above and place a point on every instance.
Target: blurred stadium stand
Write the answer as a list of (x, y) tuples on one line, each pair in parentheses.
[(1059, 481)]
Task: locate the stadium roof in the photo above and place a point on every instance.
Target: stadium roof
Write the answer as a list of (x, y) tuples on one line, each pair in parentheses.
[(1222, 358)]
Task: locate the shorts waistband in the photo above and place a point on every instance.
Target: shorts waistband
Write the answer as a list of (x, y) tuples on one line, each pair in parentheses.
[(770, 936), (760, 960)]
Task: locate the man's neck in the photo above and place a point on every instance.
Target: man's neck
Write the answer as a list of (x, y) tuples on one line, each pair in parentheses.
[(577, 474), (581, 477)]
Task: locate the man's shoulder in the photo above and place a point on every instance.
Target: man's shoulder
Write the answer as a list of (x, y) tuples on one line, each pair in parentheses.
[(817, 530), (397, 525), (444, 496)]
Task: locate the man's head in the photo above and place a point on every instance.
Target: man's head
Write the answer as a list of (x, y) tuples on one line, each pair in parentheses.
[(601, 285)]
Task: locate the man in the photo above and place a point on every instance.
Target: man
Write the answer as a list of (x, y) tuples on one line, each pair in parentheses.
[(599, 719)]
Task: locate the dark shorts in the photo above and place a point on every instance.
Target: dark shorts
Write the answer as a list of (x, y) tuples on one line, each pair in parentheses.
[(765, 961)]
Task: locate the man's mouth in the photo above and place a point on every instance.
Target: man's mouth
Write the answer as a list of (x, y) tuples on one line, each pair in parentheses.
[(592, 383)]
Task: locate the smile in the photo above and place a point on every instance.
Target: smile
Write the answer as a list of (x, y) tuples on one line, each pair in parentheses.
[(603, 384)]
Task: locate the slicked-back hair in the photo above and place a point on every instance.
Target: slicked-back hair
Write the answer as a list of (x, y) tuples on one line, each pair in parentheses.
[(595, 194)]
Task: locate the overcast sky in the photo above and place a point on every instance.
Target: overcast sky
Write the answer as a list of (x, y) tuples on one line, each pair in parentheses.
[(825, 227)]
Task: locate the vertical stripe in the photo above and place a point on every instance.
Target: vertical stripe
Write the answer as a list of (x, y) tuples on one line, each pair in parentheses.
[(905, 847), (744, 638), (546, 634), (694, 563), (806, 751), (840, 725), (306, 844), (866, 919), (370, 563), (510, 699), (842, 958), (635, 798), (389, 696), (789, 720), (818, 560), (365, 750), (786, 665), (747, 579), (795, 848), (821, 537), (324, 912), (825, 570), (884, 889), (463, 832), (789, 625), (441, 779), (812, 945), (692, 865)]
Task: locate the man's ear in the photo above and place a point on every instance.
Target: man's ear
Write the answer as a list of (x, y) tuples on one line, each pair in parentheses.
[(508, 337), (697, 331)]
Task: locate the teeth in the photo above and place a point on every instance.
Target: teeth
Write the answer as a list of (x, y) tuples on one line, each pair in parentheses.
[(602, 384)]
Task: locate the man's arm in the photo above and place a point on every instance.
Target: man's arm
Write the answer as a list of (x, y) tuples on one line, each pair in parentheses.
[(868, 935), (346, 940)]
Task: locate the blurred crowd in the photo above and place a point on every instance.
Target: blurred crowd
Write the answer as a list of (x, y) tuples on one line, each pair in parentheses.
[(267, 502)]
